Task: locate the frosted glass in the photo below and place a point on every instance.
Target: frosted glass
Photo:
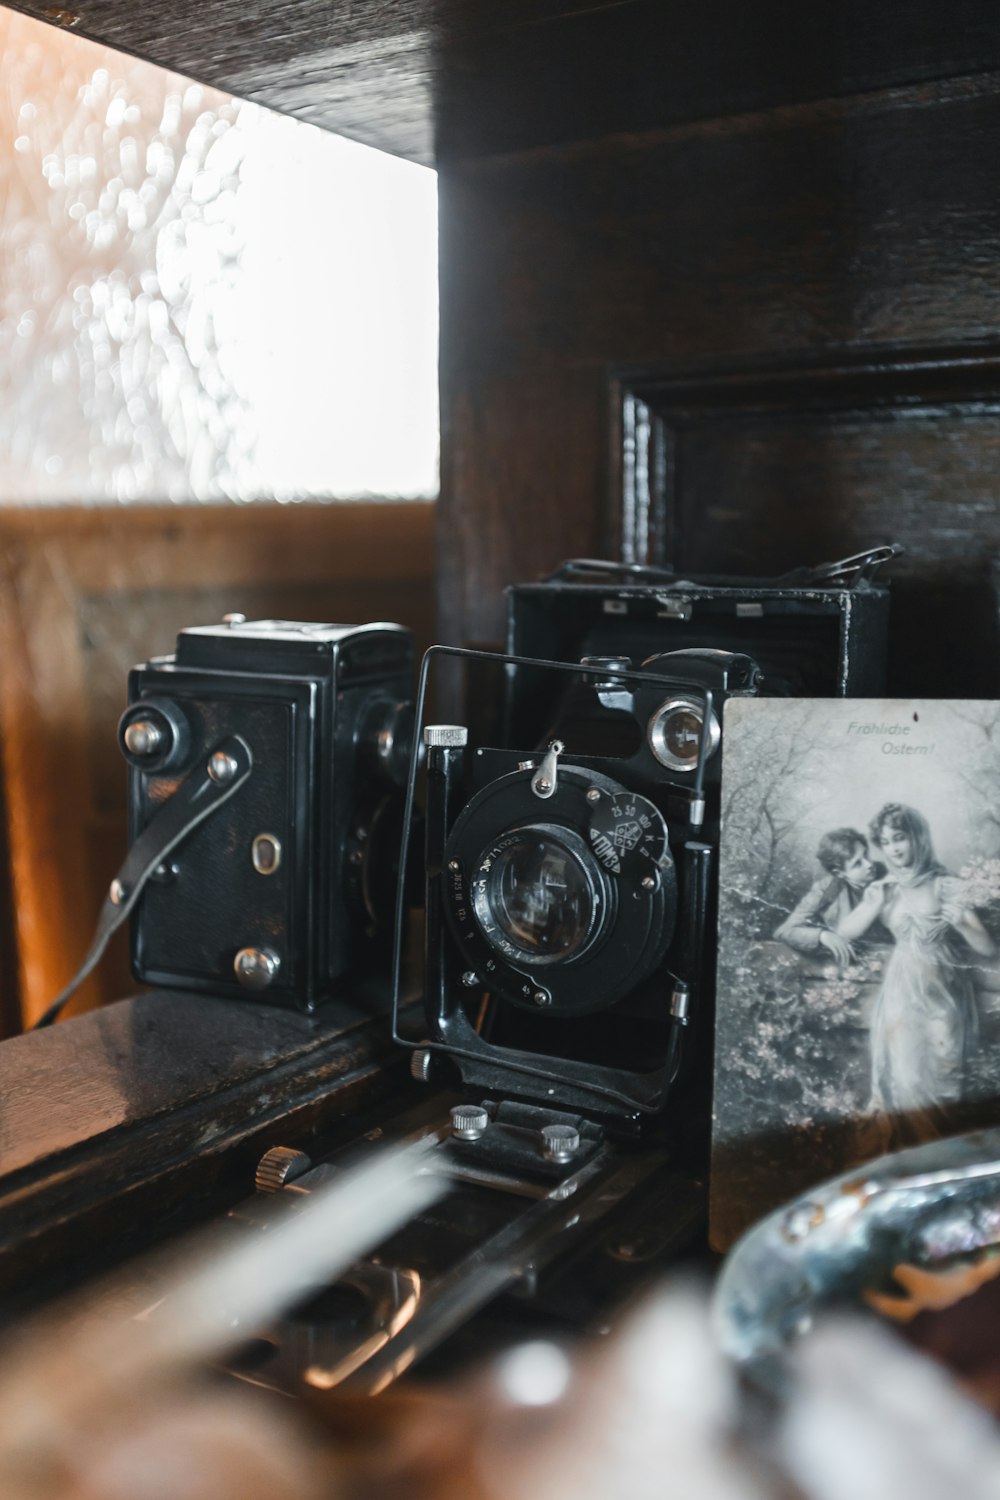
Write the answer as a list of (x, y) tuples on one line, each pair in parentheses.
[(199, 299)]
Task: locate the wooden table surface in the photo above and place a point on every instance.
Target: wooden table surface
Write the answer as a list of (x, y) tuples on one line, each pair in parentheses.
[(124, 1124)]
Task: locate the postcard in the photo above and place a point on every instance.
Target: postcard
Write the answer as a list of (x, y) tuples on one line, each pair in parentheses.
[(858, 985)]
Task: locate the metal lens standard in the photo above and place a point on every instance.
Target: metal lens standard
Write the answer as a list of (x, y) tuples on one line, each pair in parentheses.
[(539, 900)]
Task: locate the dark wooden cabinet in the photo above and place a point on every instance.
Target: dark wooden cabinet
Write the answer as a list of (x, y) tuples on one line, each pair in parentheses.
[(804, 301), (767, 233), (778, 223)]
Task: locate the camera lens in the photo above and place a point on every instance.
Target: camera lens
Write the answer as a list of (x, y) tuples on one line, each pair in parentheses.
[(675, 733), (541, 896), (154, 735)]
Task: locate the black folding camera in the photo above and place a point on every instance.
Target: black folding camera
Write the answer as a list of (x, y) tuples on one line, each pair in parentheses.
[(266, 760), (814, 632), (568, 889)]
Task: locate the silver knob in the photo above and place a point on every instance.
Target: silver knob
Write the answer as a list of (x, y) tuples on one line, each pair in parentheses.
[(469, 1121), (222, 767), (143, 737), (449, 735), (560, 1142), (278, 1166), (255, 968), (421, 1064), (234, 619)]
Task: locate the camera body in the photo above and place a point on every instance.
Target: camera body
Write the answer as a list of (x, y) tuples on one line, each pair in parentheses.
[(286, 887), (569, 890), (815, 632)]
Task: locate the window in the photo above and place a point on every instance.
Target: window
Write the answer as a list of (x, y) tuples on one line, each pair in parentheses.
[(202, 300)]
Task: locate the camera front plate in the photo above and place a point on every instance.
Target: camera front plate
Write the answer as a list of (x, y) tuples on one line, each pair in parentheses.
[(602, 914)]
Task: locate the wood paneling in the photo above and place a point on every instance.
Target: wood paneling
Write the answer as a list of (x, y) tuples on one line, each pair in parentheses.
[(859, 236), (437, 79), (87, 593)]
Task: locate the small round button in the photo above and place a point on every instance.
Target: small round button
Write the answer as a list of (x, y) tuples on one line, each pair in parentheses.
[(256, 968), (222, 767)]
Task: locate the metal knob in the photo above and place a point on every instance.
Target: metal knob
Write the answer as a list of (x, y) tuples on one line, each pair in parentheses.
[(143, 737), (222, 767), (279, 1166), (255, 968), (421, 1064), (469, 1121), (451, 736), (560, 1142)]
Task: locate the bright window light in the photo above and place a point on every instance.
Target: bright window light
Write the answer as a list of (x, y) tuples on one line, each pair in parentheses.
[(201, 299)]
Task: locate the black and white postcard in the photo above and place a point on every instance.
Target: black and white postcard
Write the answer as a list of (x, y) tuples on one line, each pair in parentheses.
[(858, 993)]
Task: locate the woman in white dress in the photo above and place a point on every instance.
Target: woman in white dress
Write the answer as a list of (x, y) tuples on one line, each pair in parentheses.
[(925, 1021)]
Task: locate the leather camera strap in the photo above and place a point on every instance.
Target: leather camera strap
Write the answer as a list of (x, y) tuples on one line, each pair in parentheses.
[(221, 773)]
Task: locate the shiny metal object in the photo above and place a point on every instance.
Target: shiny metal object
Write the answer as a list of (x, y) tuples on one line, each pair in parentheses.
[(265, 851), (663, 726), (921, 1206), (143, 737), (255, 968), (279, 1166), (420, 1064), (545, 779), (409, 1314), (680, 1003), (448, 736), (559, 1142), (469, 1121), (222, 767)]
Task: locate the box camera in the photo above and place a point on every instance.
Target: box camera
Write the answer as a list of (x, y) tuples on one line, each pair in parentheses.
[(266, 760), (814, 632), (568, 891)]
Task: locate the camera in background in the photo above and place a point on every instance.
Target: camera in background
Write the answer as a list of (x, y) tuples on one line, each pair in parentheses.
[(814, 632), (285, 887)]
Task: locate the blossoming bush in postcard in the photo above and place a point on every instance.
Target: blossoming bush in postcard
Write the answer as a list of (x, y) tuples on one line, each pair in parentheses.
[(858, 993)]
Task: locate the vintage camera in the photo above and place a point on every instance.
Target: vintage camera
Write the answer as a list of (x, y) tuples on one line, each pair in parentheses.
[(814, 632), (568, 890), (266, 761)]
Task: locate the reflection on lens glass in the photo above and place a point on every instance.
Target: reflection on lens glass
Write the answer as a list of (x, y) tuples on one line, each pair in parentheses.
[(675, 731), (541, 898), (682, 734)]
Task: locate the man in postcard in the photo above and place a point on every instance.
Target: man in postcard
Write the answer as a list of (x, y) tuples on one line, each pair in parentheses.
[(847, 872)]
